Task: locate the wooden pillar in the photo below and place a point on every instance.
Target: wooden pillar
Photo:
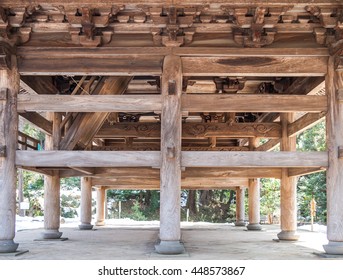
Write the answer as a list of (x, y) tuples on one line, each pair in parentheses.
[(86, 203), (100, 206), (334, 173), (240, 209), (170, 175), (288, 192), (52, 207), (9, 88), (254, 196)]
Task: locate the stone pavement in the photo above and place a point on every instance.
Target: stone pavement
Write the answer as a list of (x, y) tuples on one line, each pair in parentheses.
[(136, 242)]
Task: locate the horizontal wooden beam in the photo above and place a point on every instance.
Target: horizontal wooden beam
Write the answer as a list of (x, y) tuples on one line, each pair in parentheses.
[(185, 183), (252, 66), (303, 171), (152, 159), (253, 103), (193, 130), (254, 159), (86, 159), (89, 103), (268, 146)]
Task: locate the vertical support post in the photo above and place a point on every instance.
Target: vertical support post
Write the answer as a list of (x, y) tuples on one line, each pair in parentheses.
[(100, 206), (254, 196), (52, 207), (288, 192), (334, 173), (240, 209), (86, 203), (21, 212), (170, 176), (9, 88)]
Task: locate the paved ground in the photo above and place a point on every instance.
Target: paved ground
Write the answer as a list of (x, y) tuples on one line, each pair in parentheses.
[(135, 241)]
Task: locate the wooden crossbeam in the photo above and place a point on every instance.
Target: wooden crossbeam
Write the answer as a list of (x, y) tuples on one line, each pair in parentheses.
[(305, 122), (254, 159), (152, 158), (249, 66), (87, 159), (253, 103), (190, 103), (39, 121), (193, 130), (89, 103)]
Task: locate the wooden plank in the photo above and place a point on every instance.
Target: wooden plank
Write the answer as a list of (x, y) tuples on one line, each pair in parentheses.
[(85, 126), (131, 66), (254, 159), (304, 123), (292, 172), (84, 170), (39, 121), (89, 103), (249, 66), (193, 130), (86, 159), (253, 103)]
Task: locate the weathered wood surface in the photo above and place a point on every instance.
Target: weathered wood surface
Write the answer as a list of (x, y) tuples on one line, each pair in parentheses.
[(152, 158), (254, 159), (334, 178), (87, 159), (85, 126), (89, 103), (171, 130), (305, 122), (288, 192), (249, 66), (9, 85), (86, 200), (193, 130), (304, 171), (253, 103)]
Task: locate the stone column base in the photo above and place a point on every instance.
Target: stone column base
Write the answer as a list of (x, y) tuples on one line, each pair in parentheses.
[(51, 234), (240, 224), (254, 227), (290, 235), (100, 223), (8, 246), (170, 248), (334, 248), (85, 226)]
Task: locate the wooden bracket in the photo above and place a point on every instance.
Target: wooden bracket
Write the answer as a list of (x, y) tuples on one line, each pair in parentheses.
[(3, 93), (340, 95), (340, 152), (2, 151)]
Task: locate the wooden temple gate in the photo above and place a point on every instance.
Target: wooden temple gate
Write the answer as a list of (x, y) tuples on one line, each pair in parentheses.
[(168, 95)]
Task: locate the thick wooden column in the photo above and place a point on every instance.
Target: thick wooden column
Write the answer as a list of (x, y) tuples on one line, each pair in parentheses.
[(240, 209), (334, 174), (288, 192), (86, 203), (100, 206), (170, 175), (52, 207), (254, 196), (9, 88)]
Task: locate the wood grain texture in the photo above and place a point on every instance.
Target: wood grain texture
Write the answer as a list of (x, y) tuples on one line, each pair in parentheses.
[(334, 179), (170, 175), (89, 103), (249, 66), (38, 121), (254, 159), (87, 159), (86, 200), (253, 103), (288, 192), (9, 80), (305, 122)]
